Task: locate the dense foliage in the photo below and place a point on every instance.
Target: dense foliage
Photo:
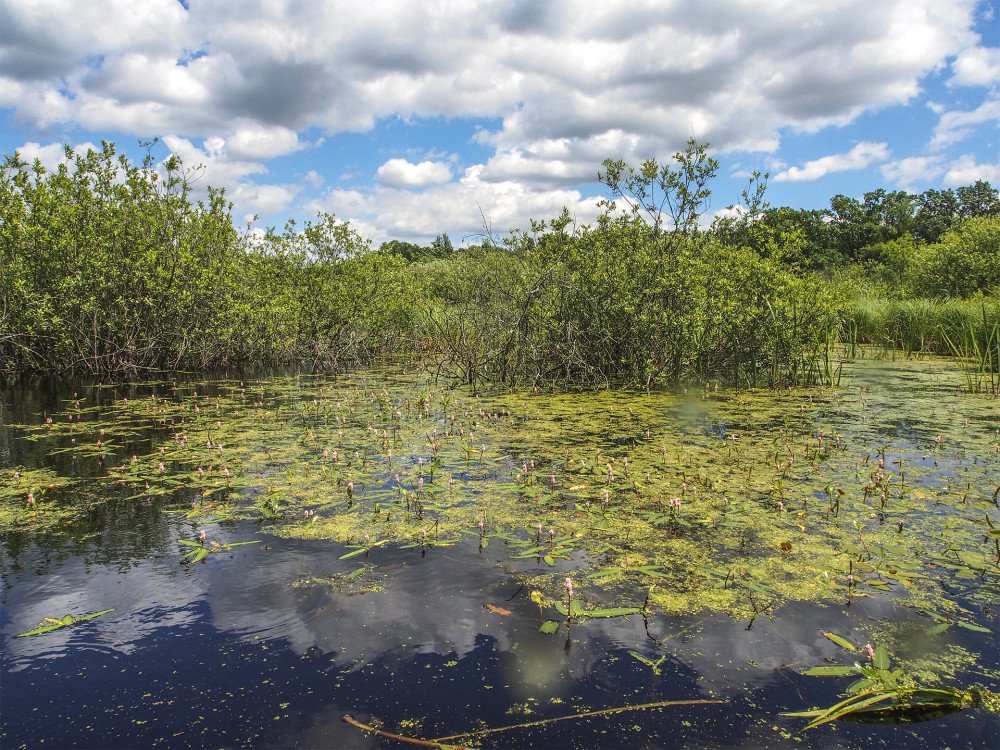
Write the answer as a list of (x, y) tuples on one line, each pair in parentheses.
[(113, 269)]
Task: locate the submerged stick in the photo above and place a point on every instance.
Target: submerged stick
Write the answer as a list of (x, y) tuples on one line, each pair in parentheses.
[(412, 740), (584, 715)]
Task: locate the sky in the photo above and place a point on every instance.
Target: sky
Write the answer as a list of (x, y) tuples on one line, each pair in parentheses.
[(413, 119)]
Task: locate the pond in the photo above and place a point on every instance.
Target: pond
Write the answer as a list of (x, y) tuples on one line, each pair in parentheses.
[(247, 562)]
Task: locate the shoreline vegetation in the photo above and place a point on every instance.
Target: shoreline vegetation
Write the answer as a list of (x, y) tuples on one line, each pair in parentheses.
[(114, 270)]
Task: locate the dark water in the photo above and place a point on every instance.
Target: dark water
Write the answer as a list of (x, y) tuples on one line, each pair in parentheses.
[(249, 650)]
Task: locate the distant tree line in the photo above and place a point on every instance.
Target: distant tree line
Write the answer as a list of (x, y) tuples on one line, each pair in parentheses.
[(440, 248), (857, 231)]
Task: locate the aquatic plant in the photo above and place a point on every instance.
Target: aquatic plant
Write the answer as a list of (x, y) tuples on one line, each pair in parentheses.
[(199, 551), (49, 624), (880, 694)]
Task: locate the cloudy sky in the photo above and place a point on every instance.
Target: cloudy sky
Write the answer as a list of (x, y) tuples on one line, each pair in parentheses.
[(417, 118)]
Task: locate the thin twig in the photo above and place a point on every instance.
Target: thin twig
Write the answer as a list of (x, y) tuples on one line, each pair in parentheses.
[(586, 714), (412, 740)]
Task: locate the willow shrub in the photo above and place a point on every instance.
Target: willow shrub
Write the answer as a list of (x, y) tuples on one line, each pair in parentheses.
[(621, 304), (107, 268), (341, 302), (110, 268)]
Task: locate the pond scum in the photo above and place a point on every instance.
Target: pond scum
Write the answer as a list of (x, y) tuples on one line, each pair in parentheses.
[(647, 503)]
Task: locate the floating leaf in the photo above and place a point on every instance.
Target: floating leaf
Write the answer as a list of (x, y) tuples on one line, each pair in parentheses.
[(881, 658), (574, 611), (62, 622), (612, 611), (830, 671), (842, 642), (549, 627), (970, 626), (643, 659)]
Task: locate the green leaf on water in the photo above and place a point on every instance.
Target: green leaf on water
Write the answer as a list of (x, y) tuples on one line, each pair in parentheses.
[(830, 671), (549, 627), (574, 611), (358, 551), (612, 612), (842, 642), (938, 628), (643, 659), (970, 626), (62, 622), (604, 573)]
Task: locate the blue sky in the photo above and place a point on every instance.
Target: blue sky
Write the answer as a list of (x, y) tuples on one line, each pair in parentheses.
[(412, 119)]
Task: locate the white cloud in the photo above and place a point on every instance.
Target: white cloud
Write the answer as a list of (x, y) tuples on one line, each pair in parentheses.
[(978, 66), (966, 170), (912, 170), (468, 208), (657, 69), (401, 173), (314, 178), (859, 157), (263, 200), (956, 126), (566, 82), (53, 154), (262, 143)]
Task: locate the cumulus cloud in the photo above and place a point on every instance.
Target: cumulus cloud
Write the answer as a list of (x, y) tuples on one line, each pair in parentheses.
[(912, 170), (563, 84), (262, 143), (957, 125), (52, 155), (978, 66), (401, 173), (659, 69), (859, 157), (470, 207), (966, 170)]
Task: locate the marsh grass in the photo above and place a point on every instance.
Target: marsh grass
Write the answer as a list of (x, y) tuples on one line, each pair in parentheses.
[(921, 325)]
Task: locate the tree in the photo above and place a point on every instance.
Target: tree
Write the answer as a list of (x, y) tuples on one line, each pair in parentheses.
[(661, 195), (936, 211), (939, 210), (441, 247), (978, 199), (407, 250)]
